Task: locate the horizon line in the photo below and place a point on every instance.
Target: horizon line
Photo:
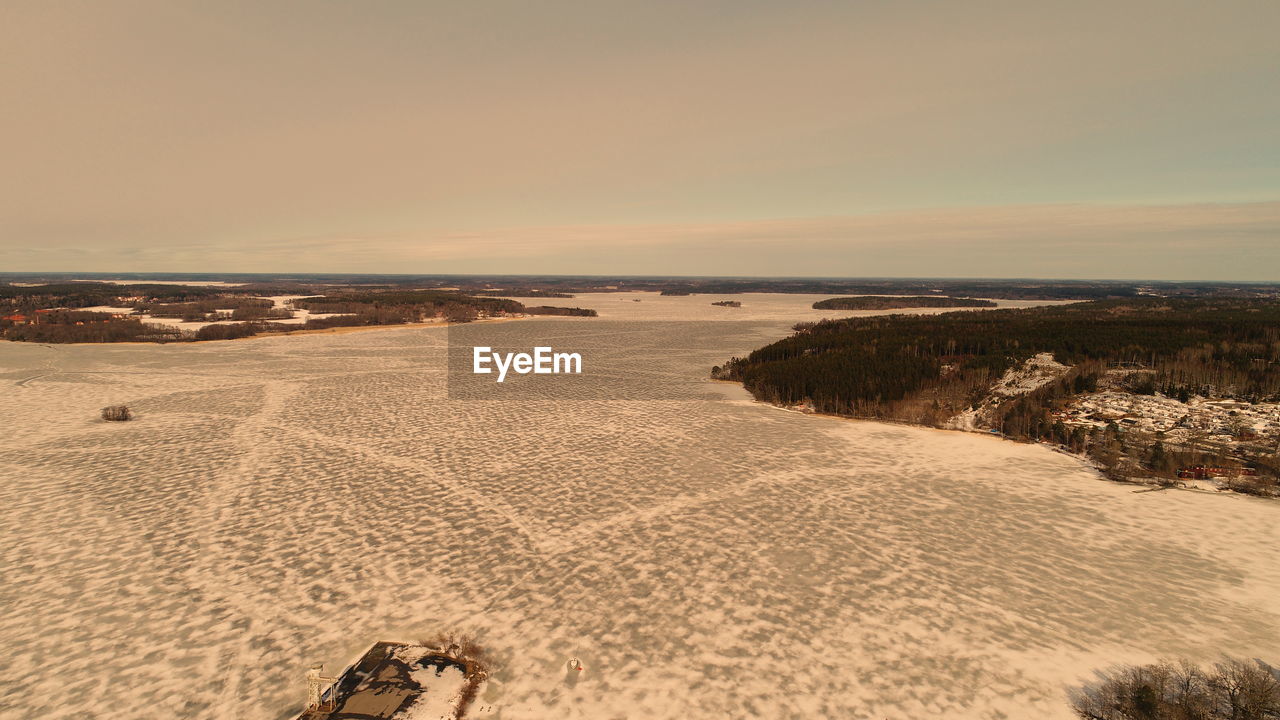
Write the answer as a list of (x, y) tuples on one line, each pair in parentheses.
[(179, 275)]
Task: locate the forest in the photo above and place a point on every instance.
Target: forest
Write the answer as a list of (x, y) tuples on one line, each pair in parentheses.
[(394, 307), (559, 311), (894, 302), (864, 366), (20, 298), (926, 369), (66, 326), (50, 314)]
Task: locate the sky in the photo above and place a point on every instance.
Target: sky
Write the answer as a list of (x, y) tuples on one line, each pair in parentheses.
[(1119, 139)]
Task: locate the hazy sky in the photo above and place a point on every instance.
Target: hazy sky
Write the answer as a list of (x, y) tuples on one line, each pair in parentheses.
[(1051, 139)]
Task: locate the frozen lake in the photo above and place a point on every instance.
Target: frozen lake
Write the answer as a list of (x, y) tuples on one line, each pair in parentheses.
[(288, 500)]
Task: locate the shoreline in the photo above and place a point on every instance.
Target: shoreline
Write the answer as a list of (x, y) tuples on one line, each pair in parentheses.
[(337, 330), (1151, 485), (346, 329)]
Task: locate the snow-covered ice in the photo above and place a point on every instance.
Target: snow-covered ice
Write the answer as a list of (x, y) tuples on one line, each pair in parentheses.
[(289, 500)]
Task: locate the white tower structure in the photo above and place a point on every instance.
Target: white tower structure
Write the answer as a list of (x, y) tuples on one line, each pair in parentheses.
[(316, 685)]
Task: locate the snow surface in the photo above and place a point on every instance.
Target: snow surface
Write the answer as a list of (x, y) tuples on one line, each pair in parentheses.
[(441, 698), (289, 500)]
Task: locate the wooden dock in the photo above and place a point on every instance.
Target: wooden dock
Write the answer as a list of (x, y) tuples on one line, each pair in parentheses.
[(395, 680)]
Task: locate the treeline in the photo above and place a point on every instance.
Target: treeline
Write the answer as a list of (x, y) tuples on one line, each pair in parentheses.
[(1006, 289), (199, 309), (224, 308), (405, 306), (16, 298), (1231, 690), (525, 292), (68, 326), (187, 303), (234, 331), (929, 369), (563, 311), (889, 302), (252, 316), (400, 306), (870, 366)]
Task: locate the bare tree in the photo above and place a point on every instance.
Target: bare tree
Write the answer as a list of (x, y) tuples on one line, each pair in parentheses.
[(1245, 690), (1234, 690)]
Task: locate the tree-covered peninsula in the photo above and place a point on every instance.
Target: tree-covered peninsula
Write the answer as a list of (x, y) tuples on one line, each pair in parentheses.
[(1023, 373), (897, 302)]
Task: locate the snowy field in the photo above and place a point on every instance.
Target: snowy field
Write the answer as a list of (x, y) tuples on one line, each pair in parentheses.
[(300, 315), (289, 500)]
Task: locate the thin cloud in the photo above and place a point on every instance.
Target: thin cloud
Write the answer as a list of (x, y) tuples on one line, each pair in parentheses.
[(1190, 241)]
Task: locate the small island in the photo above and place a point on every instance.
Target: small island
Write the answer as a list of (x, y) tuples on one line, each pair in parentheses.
[(99, 312), (564, 311), (893, 302), (728, 303)]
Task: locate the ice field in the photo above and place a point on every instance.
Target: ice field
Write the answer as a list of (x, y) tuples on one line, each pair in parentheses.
[(288, 500)]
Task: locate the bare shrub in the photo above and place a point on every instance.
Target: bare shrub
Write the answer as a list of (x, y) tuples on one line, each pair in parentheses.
[(116, 413), (1264, 487)]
